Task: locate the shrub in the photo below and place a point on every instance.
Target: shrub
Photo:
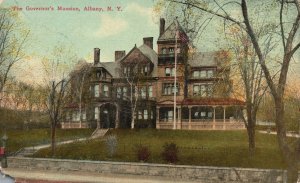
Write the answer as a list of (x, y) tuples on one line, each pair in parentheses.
[(111, 144), (142, 153), (170, 152)]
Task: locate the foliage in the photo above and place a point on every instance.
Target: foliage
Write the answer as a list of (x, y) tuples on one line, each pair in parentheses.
[(111, 144), (142, 152), (170, 152)]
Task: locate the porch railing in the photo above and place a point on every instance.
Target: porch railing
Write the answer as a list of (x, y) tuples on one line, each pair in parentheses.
[(203, 124), (74, 125)]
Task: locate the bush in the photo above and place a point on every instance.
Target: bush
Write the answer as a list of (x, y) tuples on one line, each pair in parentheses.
[(170, 152), (142, 153), (111, 144)]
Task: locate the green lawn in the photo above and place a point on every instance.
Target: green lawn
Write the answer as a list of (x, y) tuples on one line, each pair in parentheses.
[(24, 138), (206, 148)]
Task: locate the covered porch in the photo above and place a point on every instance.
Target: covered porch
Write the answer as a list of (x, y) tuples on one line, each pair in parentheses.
[(204, 114)]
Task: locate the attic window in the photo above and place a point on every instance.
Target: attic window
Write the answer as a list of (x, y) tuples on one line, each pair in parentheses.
[(146, 70)]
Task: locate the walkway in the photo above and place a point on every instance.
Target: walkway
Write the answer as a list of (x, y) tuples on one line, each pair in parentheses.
[(38, 176), (287, 134)]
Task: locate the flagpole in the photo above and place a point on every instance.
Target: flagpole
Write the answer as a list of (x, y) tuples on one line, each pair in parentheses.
[(175, 75)]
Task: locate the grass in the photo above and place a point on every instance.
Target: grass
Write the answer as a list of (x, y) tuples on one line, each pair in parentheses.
[(205, 148), (18, 139)]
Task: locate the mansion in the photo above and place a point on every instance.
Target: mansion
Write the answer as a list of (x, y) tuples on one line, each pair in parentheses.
[(138, 90)]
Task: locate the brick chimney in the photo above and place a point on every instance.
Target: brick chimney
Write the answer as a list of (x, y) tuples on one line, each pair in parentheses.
[(162, 26), (96, 56), (119, 54), (148, 41)]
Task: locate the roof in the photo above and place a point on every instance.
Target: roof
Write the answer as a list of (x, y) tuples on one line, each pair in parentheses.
[(170, 32), (111, 67), (212, 101), (152, 55), (203, 59)]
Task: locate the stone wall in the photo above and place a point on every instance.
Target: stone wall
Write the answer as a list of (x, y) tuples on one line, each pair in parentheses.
[(178, 172)]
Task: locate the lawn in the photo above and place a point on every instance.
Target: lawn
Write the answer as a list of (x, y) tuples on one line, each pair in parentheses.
[(205, 148), (18, 139)]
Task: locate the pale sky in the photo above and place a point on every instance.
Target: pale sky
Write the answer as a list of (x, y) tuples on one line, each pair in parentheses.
[(84, 30)]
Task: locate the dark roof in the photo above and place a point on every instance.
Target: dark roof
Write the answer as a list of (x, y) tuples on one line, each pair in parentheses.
[(219, 58), (170, 32), (151, 55), (111, 67), (212, 101)]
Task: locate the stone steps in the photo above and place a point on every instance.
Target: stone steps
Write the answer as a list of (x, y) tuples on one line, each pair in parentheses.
[(99, 133)]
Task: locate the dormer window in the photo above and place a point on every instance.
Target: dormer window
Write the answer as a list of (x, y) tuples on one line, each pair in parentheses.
[(146, 70)]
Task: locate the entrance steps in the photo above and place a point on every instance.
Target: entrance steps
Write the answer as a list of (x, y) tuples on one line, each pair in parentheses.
[(99, 132)]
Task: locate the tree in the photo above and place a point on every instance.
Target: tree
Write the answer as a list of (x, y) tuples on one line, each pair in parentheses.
[(13, 37), (289, 22), (80, 84), (56, 67), (247, 71)]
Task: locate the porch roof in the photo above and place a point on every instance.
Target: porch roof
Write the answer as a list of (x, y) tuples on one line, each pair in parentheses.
[(213, 101), (203, 102)]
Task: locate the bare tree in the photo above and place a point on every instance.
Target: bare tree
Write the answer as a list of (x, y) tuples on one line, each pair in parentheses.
[(80, 84), (13, 36), (57, 66), (289, 28)]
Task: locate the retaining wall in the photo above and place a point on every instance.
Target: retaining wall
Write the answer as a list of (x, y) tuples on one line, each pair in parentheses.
[(182, 172)]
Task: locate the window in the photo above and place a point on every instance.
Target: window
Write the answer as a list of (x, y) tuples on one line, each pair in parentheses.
[(171, 50), (68, 117), (140, 115), (145, 114), (203, 90), (170, 115), (150, 91), (119, 92), (143, 92), (146, 70), (98, 74), (97, 113), (105, 90), (96, 90), (196, 74), (84, 115), (203, 74), (168, 88), (203, 114), (210, 73), (170, 71), (124, 92), (164, 51)]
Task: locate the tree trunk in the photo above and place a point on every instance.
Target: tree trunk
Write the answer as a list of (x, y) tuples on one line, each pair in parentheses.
[(251, 118), (53, 132), (289, 154)]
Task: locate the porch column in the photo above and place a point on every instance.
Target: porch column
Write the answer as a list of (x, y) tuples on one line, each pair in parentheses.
[(157, 118), (190, 117), (224, 117), (117, 125), (214, 117), (179, 117)]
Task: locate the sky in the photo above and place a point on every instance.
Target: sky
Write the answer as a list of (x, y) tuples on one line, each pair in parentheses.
[(82, 31), (85, 30)]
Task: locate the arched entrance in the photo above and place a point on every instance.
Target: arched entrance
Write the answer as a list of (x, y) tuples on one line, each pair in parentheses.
[(108, 115)]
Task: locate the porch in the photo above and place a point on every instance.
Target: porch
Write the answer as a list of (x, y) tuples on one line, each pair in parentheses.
[(215, 114)]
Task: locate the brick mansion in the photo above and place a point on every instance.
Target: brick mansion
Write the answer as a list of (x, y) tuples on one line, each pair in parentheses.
[(147, 88)]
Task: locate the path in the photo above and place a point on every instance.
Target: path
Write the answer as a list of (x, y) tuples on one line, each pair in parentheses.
[(274, 133), (27, 151), (37, 176)]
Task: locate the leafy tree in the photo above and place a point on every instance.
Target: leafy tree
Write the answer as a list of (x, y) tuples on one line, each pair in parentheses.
[(13, 37), (289, 22)]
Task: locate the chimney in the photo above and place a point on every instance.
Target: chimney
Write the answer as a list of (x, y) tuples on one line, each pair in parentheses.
[(162, 26), (148, 41), (119, 54), (96, 56)]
